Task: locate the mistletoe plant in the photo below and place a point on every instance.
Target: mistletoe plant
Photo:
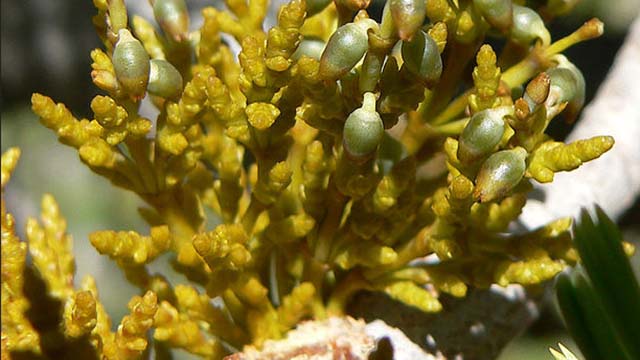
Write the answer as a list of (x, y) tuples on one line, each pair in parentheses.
[(335, 151)]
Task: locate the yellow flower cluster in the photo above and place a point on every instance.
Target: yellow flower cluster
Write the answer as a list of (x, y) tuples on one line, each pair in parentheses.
[(17, 332), (85, 327), (335, 152)]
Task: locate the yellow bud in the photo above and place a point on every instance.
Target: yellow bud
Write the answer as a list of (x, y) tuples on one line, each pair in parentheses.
[(146, 32), (551, 157), (103, 74), (117, 15), (96, 152), (413, 295), (439, 33), (173, 143), (80, 316), (130, 339), (262, 115), (107, 112), (291, 228), (131, 247), (296, 305), (268, 189), (440, 10), (466, 27), (369, 255), (534, 269), (9, 162), (224, 247), (460, 187)]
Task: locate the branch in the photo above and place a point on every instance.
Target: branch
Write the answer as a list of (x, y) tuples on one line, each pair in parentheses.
[(613, 181)]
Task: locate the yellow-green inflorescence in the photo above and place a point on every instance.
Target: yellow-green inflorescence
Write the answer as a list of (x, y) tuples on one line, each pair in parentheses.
[(330, 169)]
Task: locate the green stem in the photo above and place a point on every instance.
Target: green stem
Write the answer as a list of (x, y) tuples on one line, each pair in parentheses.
[(343, 292), (314, 272), (452, 128), (251, 215), (456, 62), (330, 224), (519, 73), (168, 206), (139, 150), (387, 28), (455, 108)]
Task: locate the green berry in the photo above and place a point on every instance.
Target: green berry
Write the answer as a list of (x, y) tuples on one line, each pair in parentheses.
[(500, 173), (422, 58), (482, 134), (309, 47), (408, 16), (567, 84), (363, 129), (528, 26), (498, 13), (345, 49), (164, 79), (173, 17), (131, 64)]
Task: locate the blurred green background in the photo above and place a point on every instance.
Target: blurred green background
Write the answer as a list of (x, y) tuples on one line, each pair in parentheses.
[(45, 48)]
